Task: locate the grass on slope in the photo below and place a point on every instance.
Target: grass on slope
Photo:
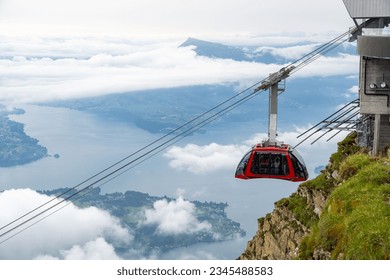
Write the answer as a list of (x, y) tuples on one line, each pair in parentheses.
[(355, 223)]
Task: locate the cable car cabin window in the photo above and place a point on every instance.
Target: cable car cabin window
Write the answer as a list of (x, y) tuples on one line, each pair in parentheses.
[(269, 164), (298, 168), (298, 165), (242, 165), (298, 156)]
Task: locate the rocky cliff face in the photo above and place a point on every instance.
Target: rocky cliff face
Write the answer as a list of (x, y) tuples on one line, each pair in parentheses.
[(280, 232)]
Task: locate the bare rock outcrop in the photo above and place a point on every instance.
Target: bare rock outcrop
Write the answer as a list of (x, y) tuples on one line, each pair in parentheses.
[(279, 233)]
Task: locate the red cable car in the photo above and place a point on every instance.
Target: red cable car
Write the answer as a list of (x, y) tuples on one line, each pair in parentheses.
[(271, 159), (272, 162)]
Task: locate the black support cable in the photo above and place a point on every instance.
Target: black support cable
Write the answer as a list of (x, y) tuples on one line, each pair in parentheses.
[(326, 119), (325, 48), (342, 112)]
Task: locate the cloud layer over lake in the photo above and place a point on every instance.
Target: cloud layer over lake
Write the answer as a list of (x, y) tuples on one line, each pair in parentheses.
[(46, 69), (72, 233)]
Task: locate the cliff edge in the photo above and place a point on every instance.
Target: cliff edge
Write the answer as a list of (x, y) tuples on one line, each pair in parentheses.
[(344, 213)]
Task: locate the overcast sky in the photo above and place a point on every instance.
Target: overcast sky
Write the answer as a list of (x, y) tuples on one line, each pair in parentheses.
[(174, 17)]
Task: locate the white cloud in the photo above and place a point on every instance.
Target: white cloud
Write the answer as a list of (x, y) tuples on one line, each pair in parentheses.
[(343, 64), (354, 90), (51, 68), (174, 217), (97, 249), (205, 159), (148, 67), (70, 233), (291, 52)]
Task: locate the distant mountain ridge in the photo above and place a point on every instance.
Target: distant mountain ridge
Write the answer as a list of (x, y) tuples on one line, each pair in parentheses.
[(216, 50), (260, 54), (221, 51)]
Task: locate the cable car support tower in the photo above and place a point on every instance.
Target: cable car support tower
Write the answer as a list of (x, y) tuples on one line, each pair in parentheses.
[(276, 84)]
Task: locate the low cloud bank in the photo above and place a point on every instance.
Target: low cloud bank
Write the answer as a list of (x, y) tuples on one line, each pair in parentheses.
[(39, 70), (71, 233), (174, 217)]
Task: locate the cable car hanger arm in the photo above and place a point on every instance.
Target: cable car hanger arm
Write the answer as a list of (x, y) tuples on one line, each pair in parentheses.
[(275, 78)]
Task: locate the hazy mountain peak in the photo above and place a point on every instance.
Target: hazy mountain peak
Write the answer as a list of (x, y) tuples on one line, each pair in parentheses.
[(215, 50)]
